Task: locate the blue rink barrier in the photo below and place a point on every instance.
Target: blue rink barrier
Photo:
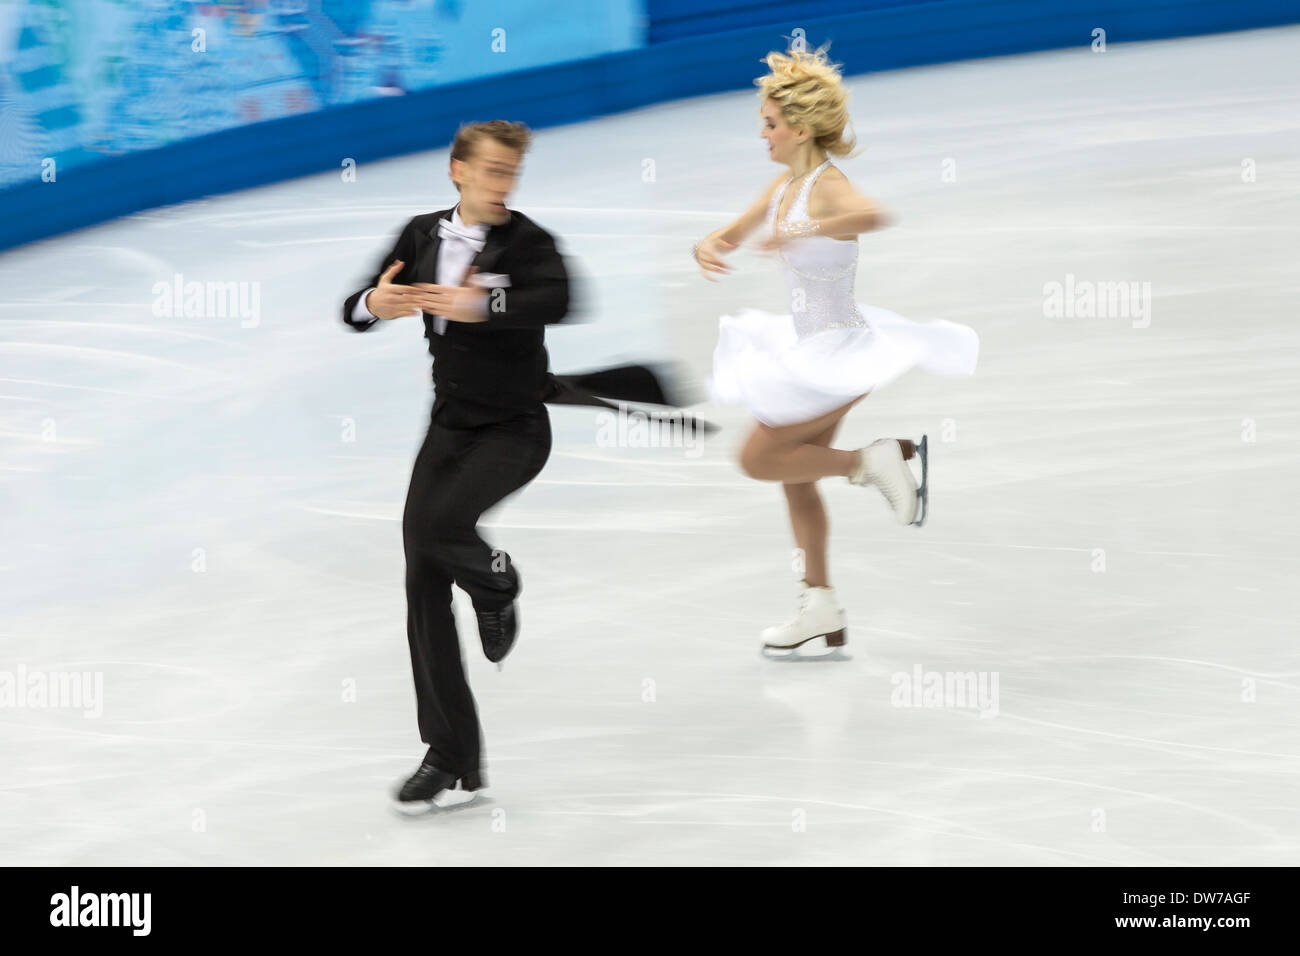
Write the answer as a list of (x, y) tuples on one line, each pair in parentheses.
[(682, 63)]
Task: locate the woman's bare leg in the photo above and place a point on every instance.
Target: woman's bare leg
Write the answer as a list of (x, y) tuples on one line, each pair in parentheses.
[(808, 520), (787, 453), (797, 456)]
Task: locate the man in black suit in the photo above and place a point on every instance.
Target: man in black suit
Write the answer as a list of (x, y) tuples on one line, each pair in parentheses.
[(486, 280)]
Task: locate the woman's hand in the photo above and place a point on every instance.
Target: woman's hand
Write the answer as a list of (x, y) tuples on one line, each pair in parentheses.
[(842, 211), (708, 254)]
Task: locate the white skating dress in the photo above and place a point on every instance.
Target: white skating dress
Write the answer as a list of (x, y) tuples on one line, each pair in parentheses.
[(831, 349)]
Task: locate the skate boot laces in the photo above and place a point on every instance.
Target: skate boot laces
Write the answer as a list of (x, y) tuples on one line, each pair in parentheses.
[(893, 494), (805, 598)]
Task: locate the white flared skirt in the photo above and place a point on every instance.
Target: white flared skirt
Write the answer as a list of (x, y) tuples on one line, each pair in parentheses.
[(761, 362)]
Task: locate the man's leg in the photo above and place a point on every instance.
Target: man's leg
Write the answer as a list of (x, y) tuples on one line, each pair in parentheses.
[(445, 708), (496, 461)]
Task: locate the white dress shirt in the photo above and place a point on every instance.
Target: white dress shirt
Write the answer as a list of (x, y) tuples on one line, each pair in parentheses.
[(455, 253)]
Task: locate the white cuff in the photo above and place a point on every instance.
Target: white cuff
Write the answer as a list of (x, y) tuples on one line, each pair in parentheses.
[(360, 313)]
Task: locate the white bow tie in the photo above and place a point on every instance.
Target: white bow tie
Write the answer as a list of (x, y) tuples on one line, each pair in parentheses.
[(476, 236)]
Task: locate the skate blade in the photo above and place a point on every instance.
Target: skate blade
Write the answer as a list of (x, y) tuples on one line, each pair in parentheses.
[(923, 492), (414, 808), (800, 655), (449, 801), (833, 649)]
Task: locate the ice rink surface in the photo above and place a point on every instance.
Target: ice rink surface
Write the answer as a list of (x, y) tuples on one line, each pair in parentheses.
[(205, 511)]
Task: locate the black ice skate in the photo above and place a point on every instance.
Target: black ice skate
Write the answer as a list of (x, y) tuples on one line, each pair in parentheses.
[(421, 787), (498, 628), (418, 792)]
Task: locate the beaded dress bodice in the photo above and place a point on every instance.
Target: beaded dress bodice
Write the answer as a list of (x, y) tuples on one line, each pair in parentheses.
[(819, 270)]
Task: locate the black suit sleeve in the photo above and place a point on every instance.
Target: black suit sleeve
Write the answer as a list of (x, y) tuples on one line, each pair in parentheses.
[(538, 294), (402, 249)]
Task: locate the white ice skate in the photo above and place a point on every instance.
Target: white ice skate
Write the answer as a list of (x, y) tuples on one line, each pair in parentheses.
[(820, 615), (882, 464)]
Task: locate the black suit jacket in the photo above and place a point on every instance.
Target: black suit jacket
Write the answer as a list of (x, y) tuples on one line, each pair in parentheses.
[(498, 369), (485, 372)]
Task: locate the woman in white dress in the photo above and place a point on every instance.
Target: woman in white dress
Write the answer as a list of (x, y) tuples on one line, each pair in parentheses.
[(799, 373)]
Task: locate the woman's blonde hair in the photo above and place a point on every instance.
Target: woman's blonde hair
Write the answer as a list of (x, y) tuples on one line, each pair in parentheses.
[(808, 89)]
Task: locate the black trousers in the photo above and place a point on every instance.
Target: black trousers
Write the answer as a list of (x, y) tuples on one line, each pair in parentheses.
[(460, 472)]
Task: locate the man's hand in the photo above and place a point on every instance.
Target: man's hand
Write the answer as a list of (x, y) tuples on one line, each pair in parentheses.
[(389, 300), (463, 303), (455, 303)]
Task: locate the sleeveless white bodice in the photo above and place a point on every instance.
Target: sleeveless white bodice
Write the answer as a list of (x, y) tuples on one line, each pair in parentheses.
[(819, 270)]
